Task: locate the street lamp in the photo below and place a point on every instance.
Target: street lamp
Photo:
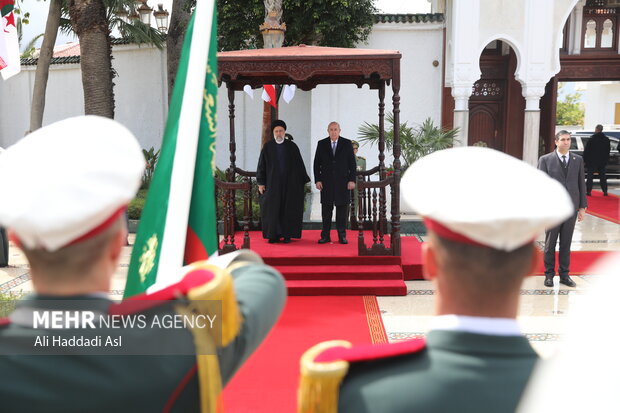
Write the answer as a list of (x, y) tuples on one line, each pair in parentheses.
[(145, 13), (123, 15), (133, 16), (161, 18)]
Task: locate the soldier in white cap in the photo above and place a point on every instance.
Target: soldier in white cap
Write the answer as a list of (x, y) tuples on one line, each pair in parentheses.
[(480, 247), (66, 187)]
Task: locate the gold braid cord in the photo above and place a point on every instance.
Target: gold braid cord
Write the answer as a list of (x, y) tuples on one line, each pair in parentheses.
[(319, 385), (205, 300)]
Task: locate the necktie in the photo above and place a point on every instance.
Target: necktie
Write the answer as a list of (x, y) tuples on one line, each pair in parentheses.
[(334, 148), (563, 161)]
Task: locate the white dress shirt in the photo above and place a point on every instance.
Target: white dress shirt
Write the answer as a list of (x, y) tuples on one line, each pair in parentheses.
[(478, 325)]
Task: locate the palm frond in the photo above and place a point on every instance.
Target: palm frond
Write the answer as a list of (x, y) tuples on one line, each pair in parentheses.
[(138, 32), (415, 142), (30, 49), (65, 26)]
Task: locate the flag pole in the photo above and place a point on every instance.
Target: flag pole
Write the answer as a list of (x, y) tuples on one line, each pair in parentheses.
[(182, 176)]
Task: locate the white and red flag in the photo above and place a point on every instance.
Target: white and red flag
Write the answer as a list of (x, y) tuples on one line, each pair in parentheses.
[(269, 94), (9, 43)]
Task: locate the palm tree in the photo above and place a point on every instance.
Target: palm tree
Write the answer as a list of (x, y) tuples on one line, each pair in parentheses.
[(92, 21), (415, 142), (43, 65), (179, 20)]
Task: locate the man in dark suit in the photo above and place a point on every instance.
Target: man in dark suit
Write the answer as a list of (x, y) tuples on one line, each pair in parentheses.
[(334, 175), (475, 358), (568, 169), (596, 156)]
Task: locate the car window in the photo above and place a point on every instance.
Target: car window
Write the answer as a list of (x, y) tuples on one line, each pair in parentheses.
[(573, 143), (614, 144), (585, 140)]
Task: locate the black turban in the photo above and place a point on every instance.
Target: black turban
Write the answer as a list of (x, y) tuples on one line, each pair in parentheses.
[(276, 123)]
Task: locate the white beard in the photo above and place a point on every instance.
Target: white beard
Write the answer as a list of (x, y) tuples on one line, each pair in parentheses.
[(278, 140)]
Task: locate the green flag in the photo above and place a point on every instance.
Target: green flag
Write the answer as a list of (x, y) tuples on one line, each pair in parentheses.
[(178, 223)]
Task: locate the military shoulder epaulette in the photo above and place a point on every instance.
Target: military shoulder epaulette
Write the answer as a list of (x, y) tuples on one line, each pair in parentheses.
[(324, 366), (361, 157), (367, 352)]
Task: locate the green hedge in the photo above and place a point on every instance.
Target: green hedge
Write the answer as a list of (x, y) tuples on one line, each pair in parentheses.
[(134, 210)]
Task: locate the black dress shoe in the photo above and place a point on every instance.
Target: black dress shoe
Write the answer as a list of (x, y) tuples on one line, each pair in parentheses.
[(343, 240), (273, 240), (548, 281), (567, 281), (605, 194), (324, 240), (286, 240)]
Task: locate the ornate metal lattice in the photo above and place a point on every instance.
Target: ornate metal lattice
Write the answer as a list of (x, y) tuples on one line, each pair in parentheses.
[(487, 89)]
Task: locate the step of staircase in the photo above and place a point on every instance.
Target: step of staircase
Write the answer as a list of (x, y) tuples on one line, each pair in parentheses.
[(341, 272), (346, 287), (349, 261)]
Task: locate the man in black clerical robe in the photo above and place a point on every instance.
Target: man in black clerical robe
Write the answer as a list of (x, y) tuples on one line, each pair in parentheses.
[(281, 177)]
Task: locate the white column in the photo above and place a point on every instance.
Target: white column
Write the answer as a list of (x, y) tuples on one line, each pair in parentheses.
[(461, 113), (577, 19), (438, 6), (531, 129)]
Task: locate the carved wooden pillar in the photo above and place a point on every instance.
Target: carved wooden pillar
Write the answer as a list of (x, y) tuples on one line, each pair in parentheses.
[(382, 191), (395, 244), (232, 145), (382, 131)]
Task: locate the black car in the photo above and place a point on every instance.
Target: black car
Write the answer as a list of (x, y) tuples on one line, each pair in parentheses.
[(579, 140)]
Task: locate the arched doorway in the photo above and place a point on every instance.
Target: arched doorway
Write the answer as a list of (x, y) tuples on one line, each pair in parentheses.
[(496, 106)]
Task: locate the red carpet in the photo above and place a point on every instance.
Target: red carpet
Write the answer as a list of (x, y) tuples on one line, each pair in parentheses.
[(580, 262), (411, 250), (605, 207), (331, 269), (267, 382)]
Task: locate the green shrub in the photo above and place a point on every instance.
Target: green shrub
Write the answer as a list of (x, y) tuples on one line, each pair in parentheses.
[(7, 302), (134, 209)]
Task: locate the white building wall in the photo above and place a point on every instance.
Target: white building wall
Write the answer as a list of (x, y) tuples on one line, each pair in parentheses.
[(600, 100), (140, 95), (141, 92)]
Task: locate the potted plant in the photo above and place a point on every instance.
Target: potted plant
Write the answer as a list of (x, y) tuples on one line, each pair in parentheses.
[(415, 141)]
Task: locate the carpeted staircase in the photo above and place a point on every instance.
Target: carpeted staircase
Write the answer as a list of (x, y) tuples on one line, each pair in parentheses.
[(331, 269), (341, 275)]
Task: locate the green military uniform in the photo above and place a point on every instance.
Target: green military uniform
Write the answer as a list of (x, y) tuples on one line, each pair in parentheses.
[(457, 372), (110, 383), (360, 163)]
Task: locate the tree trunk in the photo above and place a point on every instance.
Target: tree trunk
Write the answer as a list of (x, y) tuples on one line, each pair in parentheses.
[(43, 65), (267, 132), (88, 18), (179, 20)]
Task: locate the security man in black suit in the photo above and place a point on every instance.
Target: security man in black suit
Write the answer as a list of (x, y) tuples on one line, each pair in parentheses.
[(596, 156), (334, 175)]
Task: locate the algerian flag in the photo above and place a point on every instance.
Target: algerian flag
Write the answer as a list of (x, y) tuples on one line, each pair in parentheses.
[(178, 223), (9, 42)]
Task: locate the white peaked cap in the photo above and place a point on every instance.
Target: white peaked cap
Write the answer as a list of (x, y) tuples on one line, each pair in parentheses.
[(65, 180), (485, 196)]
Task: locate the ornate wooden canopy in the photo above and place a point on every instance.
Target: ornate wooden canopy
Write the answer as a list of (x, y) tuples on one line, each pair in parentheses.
[(307, 66)]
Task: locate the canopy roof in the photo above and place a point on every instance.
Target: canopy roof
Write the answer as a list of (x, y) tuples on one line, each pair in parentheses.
[(307, 66)]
